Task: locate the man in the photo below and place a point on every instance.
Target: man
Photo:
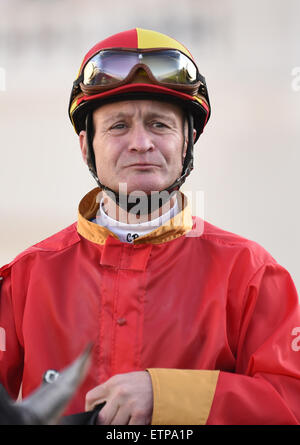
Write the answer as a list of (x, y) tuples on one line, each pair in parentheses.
[(189, 326)]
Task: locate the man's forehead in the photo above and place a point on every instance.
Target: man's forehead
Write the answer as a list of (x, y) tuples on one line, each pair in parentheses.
[(133, 107)]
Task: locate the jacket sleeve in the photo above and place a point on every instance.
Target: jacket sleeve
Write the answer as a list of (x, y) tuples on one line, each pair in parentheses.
[(264, 387), (11, 351)]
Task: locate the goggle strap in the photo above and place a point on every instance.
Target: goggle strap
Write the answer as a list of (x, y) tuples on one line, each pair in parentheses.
[(190, 152), (89, 126), (79, 79)]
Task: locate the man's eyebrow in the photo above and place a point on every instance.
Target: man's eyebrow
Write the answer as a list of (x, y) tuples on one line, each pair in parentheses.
[(164, 116), (114, 116)]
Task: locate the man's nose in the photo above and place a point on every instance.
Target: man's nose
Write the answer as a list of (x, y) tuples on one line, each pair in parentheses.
[(140, 139)]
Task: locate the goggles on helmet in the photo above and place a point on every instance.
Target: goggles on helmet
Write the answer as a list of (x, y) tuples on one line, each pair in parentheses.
[(111, 68)]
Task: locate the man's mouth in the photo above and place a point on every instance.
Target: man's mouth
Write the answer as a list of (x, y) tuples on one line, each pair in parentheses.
[(143, 165)]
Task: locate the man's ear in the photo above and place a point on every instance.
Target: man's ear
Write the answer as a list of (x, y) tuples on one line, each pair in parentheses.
[(194, 134), (186, 144), (83, 145)]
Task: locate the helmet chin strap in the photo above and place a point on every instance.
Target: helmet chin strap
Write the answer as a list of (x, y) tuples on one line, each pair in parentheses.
[(145, 203)]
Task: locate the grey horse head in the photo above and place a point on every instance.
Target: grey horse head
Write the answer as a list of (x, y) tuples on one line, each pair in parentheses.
[(46, 405)]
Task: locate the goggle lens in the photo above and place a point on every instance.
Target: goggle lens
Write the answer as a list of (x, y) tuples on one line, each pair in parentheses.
[(169, 66)]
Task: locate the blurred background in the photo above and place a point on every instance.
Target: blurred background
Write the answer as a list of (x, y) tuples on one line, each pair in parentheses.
[(247, 160)]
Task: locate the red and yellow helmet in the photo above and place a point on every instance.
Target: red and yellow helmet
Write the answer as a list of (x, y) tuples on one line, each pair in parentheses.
[(171, 75)]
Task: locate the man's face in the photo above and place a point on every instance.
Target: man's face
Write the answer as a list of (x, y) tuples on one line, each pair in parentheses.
[(140, 143)]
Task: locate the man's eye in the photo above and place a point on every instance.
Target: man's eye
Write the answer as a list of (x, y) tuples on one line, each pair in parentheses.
[(159, 124), (119, 126)]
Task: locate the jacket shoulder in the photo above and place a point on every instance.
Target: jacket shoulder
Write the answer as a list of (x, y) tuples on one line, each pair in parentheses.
[(59, 241), (226, 239)]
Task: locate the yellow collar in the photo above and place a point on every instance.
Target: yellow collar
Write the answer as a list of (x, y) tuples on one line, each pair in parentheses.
[(89, 205)]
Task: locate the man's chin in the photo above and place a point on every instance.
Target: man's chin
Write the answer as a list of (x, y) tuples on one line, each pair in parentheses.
[(141, 188), (136, 189)]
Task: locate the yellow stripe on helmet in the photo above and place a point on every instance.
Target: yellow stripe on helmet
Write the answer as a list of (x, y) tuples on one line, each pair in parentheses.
[(153, 39), (73, 106)]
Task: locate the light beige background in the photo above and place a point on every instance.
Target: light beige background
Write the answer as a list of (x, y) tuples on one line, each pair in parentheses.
[(247, 161)]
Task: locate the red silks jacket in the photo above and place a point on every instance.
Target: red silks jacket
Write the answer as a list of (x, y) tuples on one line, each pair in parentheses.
[(211, 315)]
